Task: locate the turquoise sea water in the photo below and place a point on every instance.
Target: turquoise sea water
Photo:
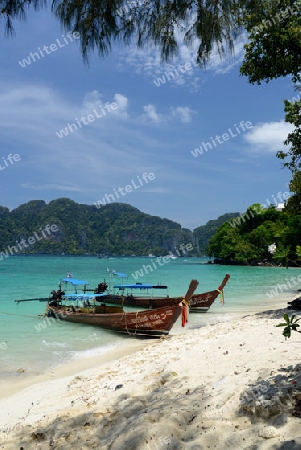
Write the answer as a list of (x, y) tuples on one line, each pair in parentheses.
[(36, 350)]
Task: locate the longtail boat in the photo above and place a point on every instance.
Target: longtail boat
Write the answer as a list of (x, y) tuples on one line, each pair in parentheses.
[(136, 295), (144, 296), (151, 322)]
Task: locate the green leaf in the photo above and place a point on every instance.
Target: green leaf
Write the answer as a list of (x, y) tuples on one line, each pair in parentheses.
[(287, 332), (285, 316)]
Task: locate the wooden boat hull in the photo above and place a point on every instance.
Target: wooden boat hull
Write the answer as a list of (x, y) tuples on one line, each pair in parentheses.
[(201, 302), (149, 322), (197, 303)]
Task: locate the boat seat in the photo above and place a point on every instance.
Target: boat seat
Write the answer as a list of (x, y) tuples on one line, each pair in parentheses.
[(106, 309)]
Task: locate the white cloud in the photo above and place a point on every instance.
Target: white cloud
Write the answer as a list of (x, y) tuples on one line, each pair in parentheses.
[(147, 62), (158, 190), (184, 113), (31, 115), (57, 187), (151, 114), (94, 101), (96, 158), (268, 136), (87, 162), (122, 103), (220, 66)]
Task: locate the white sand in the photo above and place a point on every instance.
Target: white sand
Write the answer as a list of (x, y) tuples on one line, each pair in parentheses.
[(180, 392)]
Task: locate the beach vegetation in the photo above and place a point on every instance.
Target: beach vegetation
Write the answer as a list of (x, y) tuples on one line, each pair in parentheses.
[(284, 256), (203, 233), (290, 324), (294, 203), (292, 154), (275, 29), (246, 238)]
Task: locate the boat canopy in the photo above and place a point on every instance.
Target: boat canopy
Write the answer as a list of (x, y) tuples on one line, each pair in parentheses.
[(74, 281), (82, 296), (139, 286), (120, 275)]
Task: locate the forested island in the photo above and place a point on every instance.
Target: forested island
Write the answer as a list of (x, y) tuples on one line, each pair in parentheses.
[(65, 227), (259, 236), (114, 229), (79, 229)]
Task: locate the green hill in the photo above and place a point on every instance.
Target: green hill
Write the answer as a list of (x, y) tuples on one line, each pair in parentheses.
[(259, 236), (203, 233), (114, 229)]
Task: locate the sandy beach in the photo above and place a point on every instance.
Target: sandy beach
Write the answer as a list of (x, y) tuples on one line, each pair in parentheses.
[(226, 385)]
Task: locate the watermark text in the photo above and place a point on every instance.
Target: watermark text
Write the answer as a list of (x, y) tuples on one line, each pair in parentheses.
[(220, 139), (265, 24), (280, 288), (24, 244), (3, 346), (85, 120), (161, 261), (48, 49), (121, 192), (257, 209), (9, 160)]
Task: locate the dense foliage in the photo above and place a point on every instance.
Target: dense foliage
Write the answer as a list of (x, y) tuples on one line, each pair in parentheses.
[(164, 24), (293, 140), (203, 233), (274, 45), (115, 228), (246, 239), (294, 202), (290, 324), (274, 50)]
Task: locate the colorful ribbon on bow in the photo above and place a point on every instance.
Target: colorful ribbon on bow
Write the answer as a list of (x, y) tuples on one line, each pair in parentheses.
[(222, 298), (185, 312)]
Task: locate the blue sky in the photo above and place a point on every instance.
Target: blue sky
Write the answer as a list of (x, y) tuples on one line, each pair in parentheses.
[(151, 130)]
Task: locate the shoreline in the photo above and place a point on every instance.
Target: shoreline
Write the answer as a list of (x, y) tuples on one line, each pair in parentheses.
[(178, 392), (17, 381), (9, 388)]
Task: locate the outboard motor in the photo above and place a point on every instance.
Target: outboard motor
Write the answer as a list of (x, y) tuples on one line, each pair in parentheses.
[(57, 295), (101, 288)]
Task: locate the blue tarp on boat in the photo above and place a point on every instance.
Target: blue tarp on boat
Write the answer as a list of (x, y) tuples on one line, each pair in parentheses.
[(139, 286), (74, 281), (118, 274), (82, 296)]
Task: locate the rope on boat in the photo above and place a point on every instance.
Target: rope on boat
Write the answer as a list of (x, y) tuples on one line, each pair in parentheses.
[(126, 327), (185, 312), (19, 315), (45, 313), (122, 300), (222, 298)]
